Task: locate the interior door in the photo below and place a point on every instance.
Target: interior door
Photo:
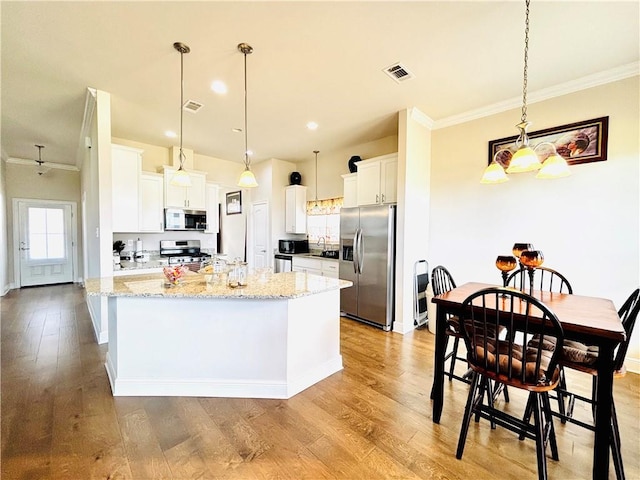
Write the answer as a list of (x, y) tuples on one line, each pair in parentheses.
[(45, 243), (260, 235)]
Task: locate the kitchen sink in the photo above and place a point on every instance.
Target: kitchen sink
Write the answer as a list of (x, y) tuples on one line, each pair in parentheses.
[(327, 254)]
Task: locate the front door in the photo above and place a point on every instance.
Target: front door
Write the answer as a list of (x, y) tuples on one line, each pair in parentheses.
[(45, 243)]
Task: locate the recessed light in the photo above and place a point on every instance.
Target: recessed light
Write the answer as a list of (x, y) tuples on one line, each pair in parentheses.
[(170, 134), (219, 86), (312, 126)]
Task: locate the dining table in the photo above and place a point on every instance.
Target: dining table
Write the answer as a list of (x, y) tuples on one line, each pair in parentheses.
[(591, 320)]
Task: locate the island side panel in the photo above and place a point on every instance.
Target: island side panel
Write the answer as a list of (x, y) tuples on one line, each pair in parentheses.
[(313, 340), (198, 347)]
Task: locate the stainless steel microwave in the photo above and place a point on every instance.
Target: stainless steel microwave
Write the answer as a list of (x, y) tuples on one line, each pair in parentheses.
[(180, 219)]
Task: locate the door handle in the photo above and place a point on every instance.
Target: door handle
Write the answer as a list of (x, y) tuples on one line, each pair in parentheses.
[(24, 248), (354, 252)]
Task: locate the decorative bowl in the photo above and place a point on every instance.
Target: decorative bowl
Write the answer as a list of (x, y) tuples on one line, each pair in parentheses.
[(506, 263), (174, 274), (532, 258)]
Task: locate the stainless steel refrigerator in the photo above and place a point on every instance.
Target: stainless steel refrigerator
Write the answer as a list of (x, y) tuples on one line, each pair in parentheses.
[(367, 258)]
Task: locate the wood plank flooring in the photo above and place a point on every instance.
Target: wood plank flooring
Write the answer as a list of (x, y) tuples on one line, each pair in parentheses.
[(370, 421)]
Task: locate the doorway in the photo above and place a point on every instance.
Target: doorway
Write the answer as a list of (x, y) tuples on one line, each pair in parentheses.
[(44, 238), (260, 220)]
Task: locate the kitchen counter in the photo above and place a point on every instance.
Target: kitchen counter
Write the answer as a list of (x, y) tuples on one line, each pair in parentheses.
[(272, 338), (264, 286)]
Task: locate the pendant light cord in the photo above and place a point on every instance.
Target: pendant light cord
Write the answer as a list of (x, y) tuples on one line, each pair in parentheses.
[(316, 152), (182, 48), (181, 102), (246, 134), (523, 118)]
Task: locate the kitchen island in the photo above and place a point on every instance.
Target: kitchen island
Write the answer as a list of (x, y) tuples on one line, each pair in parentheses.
[(272, 338)]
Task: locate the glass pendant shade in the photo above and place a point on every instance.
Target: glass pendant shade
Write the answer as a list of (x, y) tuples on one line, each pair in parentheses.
[(555, 166), (181, 178), (247, 179), (494, 173), (524, 160)]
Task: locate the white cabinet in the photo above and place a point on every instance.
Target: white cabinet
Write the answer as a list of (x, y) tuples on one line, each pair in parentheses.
[(151, 202), (315, 266), (307, 265), (350, 191), (212, 192), (377, 179), (295, 209), (193, 197), (126, 165)]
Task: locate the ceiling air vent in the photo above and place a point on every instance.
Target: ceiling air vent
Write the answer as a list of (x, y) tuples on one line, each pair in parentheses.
[(192, 106), (398, 72)]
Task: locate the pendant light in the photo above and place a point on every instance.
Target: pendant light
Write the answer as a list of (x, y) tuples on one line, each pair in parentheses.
[(181, 178), (525, 159), (316, 207), (247, 179), (40, 170)]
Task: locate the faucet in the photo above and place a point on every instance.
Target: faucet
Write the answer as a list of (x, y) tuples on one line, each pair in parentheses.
[(324, 243)]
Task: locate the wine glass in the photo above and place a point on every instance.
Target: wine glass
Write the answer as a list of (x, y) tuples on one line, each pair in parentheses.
[(531, 259), (505, 264)]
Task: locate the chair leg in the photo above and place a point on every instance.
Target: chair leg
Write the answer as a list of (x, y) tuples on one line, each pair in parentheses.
[(546, 404), (454, 357), (562, 387), (594, 393), (466, 419), (526, 419), (539, 427), (615, 444)]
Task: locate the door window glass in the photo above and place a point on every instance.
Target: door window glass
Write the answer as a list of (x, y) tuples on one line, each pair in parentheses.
[(46, 233)]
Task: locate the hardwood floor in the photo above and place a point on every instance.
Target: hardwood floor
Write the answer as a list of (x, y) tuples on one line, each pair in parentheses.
[(370, 421)]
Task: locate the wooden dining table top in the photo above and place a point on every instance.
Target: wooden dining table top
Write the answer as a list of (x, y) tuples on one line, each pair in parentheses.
[(579, 315)]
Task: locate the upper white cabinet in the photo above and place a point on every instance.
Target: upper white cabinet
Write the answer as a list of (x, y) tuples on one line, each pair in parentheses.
[(151, 202), (377, 179), (350, 190), (212, 192), (126, 166), (295, 208), (192, 198)]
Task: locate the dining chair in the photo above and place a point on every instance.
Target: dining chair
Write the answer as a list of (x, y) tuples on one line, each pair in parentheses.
[(544, 279), (441, 282), (582, 358), (549, 280), (511, 362)]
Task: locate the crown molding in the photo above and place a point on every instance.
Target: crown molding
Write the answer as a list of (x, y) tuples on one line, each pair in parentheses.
[(421, 117), (590, 81), (34, 163)]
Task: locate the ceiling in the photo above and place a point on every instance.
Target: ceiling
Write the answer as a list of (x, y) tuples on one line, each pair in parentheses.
[(320, 61)]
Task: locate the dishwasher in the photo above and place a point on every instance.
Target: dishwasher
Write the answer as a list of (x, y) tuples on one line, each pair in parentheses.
[(282, 263)]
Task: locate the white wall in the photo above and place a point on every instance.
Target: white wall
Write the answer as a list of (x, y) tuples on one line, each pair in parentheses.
[(414, 163), (4, 250), (587, 225)]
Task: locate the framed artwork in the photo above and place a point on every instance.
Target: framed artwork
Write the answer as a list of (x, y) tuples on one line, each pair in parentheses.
[(580, 142), (234, 203)]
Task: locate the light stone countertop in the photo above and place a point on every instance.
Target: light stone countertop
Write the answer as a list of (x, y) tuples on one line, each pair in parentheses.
[(193, 285)]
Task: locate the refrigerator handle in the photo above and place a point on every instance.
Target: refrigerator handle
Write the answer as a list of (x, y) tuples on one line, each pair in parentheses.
[(360, 251), (355, 252)]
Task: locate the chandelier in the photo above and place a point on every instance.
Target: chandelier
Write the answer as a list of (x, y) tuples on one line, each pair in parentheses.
[(526, 158)]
